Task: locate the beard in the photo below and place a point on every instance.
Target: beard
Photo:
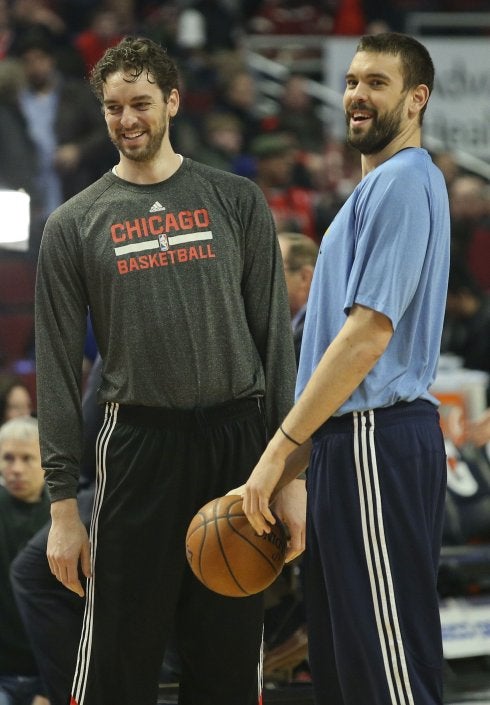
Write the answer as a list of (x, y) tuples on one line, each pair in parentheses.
[(383, 130), (142, 154)]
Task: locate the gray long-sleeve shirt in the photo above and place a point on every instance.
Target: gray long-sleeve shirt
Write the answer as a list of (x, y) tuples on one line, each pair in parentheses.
[(185, 285)]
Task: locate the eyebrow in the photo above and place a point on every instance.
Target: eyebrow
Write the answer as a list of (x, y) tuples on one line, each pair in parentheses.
[(373, 74), (133, 99)]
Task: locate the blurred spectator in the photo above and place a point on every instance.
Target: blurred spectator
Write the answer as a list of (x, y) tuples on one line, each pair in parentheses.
[(292, 17), (237, 95), (18, 158), (15, 398), (104, 31), (65, 124), (160, 22), (478, 431), (41, 17), (334, 174), (299, 254), (292, 206), (466, 331), (222, 145), (448, 165), (470, 225), (299, 115), (6, 29), (24, 508), (211, 25)]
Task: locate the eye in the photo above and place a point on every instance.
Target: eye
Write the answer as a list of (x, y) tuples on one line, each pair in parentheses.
[(112, 109), (142, 106), (350, 83)]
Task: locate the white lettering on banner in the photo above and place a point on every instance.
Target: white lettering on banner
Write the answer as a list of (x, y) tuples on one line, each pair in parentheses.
[(465, 627), (458, 113)]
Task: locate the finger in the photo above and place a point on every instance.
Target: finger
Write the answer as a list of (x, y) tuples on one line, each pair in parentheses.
[(260, 523), (291, 555), (85, 561), (75, 587)]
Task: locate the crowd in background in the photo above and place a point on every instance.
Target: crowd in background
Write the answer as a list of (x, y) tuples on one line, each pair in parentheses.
[(53, 140)]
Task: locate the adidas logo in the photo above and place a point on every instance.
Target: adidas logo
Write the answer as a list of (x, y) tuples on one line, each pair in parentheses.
[(157, 206)]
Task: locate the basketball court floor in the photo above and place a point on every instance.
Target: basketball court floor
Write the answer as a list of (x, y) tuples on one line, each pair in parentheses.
[(467, 682)]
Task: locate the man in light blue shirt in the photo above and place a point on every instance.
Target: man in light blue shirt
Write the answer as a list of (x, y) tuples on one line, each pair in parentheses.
[(377, 470)]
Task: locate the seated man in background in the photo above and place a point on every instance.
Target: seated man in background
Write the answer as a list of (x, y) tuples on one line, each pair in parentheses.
[(24, 508), (299, 254)]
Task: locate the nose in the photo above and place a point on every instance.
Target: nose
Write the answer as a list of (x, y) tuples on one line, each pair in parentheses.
[(128, 116), (16, 467), (359, 93)]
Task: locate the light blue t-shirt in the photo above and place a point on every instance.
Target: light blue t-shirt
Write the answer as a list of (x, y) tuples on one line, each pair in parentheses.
[(387, 249)]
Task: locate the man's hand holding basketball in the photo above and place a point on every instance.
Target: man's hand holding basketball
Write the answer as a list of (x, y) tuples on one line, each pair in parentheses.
[(279, 464)]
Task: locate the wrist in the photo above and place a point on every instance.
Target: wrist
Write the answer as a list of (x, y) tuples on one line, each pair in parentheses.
[(64, 508)]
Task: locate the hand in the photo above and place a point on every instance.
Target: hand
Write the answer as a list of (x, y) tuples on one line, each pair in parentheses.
[(258, 490), (290, 506), (68, 545)]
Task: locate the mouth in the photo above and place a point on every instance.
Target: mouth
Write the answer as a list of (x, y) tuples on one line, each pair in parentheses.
[(133, 136), (360, 117)]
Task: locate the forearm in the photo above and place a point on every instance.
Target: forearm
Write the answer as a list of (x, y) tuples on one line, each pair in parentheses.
[(344, 365), (296, 463)]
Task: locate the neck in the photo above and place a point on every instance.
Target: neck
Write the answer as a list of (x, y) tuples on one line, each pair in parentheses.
[(412, 138), (151, 172)]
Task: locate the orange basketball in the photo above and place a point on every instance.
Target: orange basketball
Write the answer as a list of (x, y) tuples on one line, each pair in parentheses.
[(226, 554)]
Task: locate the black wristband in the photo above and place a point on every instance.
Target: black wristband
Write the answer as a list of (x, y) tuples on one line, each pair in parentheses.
[(289, 437)]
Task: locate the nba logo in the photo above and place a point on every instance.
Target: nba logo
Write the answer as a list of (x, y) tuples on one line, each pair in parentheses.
[(163, 242)]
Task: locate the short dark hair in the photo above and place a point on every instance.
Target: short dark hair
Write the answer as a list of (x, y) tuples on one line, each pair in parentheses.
[(302, 250), (417, 65), (133, 56)]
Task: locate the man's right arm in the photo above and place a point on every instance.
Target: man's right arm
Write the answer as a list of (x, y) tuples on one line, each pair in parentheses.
[(61, 317), (61, 314)]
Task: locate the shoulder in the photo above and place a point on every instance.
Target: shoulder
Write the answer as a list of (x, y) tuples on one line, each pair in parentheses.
[(406, 173), (225, 181), (4, 497), (76, 207)]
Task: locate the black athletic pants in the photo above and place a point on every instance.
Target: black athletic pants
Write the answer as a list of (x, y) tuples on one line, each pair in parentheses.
[(155, 469)]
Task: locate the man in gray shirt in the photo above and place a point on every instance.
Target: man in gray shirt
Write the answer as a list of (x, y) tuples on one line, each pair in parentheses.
[(180, 268)]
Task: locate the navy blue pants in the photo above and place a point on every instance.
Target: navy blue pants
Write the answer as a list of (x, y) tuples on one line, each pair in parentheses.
[(376, 490)]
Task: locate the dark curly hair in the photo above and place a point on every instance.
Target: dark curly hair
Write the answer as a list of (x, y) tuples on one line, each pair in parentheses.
[(133, 56)]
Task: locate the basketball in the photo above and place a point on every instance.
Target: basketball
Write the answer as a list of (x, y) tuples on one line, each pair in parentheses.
[(226, 554)]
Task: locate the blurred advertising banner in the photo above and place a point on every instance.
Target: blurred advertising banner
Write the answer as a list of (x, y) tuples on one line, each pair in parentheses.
[(14, 229), (462, 395)]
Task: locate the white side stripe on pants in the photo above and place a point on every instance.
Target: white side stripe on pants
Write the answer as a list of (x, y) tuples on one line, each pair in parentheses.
[(377, 560), (85, 647)]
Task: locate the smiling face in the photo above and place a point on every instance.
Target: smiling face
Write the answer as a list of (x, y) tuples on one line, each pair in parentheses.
[(375, 101), (137, 115)]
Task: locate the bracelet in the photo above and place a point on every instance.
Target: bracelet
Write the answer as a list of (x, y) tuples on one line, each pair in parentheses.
[(289, 437)]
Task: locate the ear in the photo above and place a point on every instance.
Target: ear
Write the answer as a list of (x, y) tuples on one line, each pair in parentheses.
[(306, 273), (419, 98), (173, 102)]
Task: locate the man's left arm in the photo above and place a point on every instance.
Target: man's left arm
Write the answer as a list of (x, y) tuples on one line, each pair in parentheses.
[(346, 362), (267, 308)]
